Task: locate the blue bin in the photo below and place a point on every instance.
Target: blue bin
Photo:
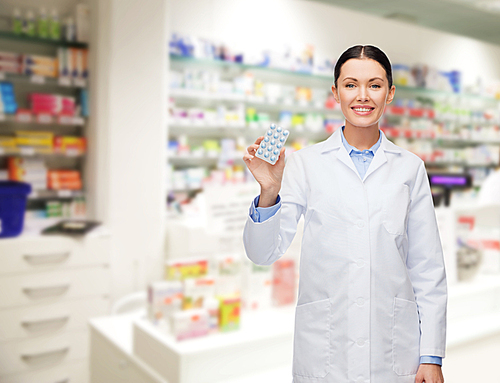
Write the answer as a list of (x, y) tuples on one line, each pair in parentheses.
[(13, 197)]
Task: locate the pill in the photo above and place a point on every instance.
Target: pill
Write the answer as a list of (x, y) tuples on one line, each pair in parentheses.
[(273, 141)]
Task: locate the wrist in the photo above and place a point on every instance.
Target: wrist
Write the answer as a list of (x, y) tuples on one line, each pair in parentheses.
[(268, 197)]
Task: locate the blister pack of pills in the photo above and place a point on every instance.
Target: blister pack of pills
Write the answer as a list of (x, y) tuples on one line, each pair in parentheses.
[(270, 146)]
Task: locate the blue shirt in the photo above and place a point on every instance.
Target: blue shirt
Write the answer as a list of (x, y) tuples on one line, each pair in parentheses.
[(361, 159)]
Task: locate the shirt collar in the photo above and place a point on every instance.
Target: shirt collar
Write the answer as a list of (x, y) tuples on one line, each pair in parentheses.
[(350, 148)]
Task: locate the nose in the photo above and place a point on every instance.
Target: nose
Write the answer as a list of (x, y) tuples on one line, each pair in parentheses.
[(362, 95)]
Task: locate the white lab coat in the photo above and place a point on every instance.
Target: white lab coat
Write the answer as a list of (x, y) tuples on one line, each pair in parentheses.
[(372, 289)]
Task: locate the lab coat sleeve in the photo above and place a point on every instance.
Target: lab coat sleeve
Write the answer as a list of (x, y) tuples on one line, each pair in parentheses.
[(425, 263), (260, 214), (265, 242)]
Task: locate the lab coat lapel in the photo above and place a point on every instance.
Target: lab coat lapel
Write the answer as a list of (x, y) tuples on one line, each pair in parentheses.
[(380, 157), (335, 142)]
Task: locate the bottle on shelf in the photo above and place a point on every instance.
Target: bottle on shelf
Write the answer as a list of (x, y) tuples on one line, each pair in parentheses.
[(30, 24), (17, 22), (54, 25), (43, 24)]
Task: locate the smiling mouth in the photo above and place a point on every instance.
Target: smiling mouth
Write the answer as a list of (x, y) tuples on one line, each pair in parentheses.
[(362, 110)]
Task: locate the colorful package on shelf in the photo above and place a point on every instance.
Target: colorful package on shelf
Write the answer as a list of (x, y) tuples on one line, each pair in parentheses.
[(10, 62), (189, 323), (211, 304), (283, 282), (73, 63), (229, 312), (70, 144), (64, 180), (54, 104), (31, 170), (258, 286), (228, 268), (8, 144), (164, 298), (189, 268), (39, 65), (8, 103), (196, 290), (42, 142)]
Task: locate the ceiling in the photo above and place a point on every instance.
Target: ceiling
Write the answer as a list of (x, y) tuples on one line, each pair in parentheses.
[(478, 19)]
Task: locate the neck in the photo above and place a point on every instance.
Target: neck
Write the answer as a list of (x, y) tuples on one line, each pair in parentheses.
[(361, 137)]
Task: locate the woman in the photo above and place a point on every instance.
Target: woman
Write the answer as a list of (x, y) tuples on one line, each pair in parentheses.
[(372, 289)]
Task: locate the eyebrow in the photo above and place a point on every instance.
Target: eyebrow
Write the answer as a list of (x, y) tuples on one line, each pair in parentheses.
[(352, 78)]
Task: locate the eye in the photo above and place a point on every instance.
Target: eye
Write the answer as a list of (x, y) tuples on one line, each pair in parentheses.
[(376, 85), (347, 86)]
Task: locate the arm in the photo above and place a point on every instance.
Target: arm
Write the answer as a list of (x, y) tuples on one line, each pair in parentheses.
[(266, 241), (425, 264), (260, 214)]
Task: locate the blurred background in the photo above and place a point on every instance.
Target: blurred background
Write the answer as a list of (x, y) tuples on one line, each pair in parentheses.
[(123, 193)]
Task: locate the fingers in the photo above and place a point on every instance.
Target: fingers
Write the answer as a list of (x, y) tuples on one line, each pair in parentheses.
[(253, 148), (247, 157)]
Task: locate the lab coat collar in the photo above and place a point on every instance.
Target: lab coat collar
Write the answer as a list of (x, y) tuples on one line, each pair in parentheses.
[(335, 142)]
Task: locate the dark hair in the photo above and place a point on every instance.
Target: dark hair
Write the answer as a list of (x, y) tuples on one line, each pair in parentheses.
[(361, 52)]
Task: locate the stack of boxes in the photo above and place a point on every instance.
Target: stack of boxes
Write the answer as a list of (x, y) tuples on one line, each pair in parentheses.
[(31, 170), (53, 104), (7, 98)]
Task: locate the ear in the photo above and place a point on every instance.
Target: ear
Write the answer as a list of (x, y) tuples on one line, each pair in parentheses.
[(335, 94), (391, 94)]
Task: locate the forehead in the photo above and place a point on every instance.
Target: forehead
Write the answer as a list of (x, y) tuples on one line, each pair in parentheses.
[(362, 69)]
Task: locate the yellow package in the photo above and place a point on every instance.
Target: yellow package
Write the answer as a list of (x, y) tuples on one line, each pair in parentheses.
[(27, 138)]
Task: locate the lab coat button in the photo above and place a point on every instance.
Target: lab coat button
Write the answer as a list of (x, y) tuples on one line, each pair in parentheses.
[(360, 301), (360, 342), (360, 263), (361, 224)]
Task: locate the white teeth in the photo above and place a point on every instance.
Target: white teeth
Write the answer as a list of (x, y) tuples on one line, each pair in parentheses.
[(362, 109)]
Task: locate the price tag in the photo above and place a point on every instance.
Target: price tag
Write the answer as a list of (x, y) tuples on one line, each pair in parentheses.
[(72, 152), (27, 151), (64, 81), (78, 121), (44, 118), (79, 82), (2, 76), (2, 116), (23, 117), (37, 79), (33, 194), (65, 120), (64, 193), (2, 151)]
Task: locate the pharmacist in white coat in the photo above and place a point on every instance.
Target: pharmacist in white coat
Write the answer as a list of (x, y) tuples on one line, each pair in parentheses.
[(372, 288)]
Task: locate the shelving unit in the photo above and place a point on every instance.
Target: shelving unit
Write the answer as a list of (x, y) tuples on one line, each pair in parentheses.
[(60, 125), (196, 130)]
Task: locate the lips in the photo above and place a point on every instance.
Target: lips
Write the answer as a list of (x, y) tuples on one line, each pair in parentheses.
[(364, 112)]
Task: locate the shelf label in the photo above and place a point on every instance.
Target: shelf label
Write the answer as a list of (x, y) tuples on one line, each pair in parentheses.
[(2, 116), (72, 152), (64, 193), (27, 151), (2, 151), (79, 82), (44, 118), (65, 120), (37, 79), (64, 81), (78, 121), (2, 75), (23, 117)]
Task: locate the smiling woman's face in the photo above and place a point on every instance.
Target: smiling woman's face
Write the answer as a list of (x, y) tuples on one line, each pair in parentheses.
[(363, 91)]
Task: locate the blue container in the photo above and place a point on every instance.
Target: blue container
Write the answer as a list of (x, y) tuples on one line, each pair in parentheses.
[(13, 197)]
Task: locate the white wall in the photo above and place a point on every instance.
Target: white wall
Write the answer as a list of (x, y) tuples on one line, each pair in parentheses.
[(270, 23), (129, 108)]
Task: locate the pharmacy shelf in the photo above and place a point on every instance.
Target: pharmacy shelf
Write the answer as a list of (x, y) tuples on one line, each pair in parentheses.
[(43, 80), (429, 135), (55, 194), (327, 78), (195, 96), (31, 152), (43, 119), (461, 163), (191, 160), (38, 40)]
